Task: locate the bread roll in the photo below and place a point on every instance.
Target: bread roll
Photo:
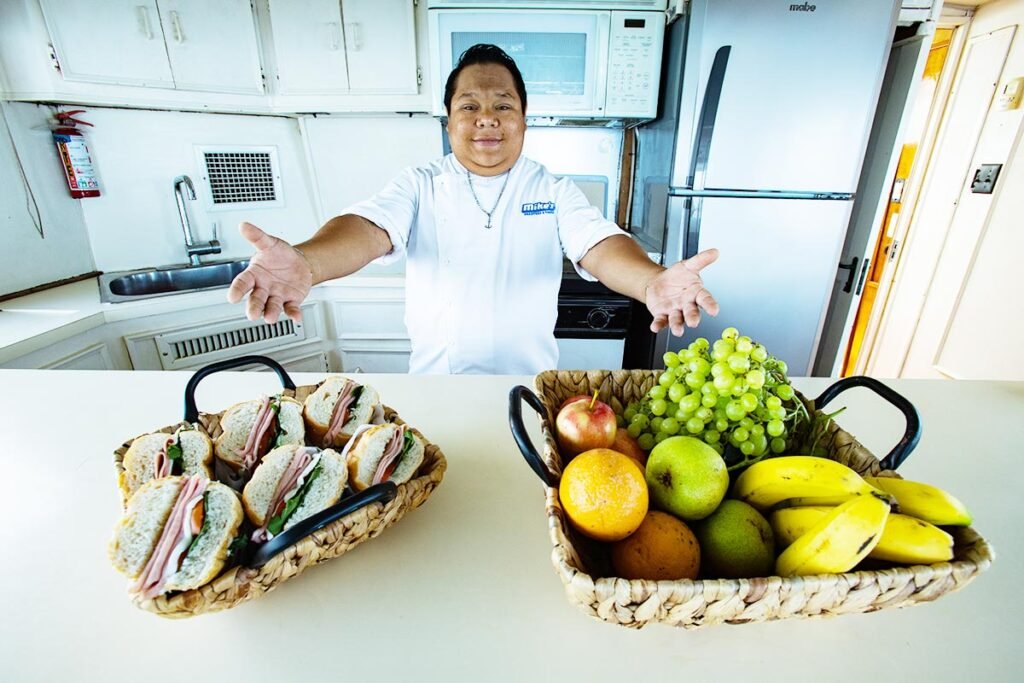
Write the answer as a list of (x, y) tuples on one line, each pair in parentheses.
[(325, 491), (364, 454), (138, 532), (139, 461), (238, 420), (319, 408)]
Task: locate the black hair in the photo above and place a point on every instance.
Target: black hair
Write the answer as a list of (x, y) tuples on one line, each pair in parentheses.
[(483, 53)]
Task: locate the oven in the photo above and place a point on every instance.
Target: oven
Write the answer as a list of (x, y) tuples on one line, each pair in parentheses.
[(592, 326)]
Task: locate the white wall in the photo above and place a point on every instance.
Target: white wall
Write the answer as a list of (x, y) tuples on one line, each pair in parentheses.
[(355, 157), (27, 258), (135, 223)]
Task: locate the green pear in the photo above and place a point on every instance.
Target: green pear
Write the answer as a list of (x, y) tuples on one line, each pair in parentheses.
[(736, 542), (686, 477)]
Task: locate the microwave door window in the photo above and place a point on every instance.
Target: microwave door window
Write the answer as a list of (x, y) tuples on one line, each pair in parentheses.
[(551, 63)]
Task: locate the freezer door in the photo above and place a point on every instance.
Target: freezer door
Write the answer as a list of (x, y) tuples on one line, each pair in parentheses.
[(775, 271), (797, 94)]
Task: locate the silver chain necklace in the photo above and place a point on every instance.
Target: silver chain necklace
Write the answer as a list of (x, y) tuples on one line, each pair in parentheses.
[(487, 213)]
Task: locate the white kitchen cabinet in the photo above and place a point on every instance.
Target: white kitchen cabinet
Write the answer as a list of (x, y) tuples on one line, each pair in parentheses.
[(325, 47), (380, 42), (89, 350), (309, 47), (193, 339), (181, 44), (115, 41)]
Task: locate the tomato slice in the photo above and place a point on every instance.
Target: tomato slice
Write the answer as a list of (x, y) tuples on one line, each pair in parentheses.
[(197, 518)]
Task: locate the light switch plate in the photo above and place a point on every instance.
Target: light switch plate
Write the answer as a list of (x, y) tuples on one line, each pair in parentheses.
[(985, 178)]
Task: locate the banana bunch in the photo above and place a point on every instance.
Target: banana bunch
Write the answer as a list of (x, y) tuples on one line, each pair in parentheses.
[(828, 518), (838, 541), (904, 539)]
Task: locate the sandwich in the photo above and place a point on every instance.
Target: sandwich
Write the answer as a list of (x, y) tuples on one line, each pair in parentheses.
[(175, 534), (292, 483), (337, 408), (151, 456), (251, 429), (379, 453)]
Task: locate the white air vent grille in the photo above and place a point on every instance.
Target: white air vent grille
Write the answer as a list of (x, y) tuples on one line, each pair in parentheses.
[(210, 343), (241, 177)]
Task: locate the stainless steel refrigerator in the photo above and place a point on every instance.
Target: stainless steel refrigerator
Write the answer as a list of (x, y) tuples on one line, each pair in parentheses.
[(757, 152)]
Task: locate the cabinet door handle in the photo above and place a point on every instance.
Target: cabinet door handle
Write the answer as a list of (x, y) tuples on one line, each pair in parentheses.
[(142, 17), (334, 36), (355, 36), (179, 33)]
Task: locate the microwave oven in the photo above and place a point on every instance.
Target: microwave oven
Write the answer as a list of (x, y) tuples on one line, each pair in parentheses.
[(579, 60)]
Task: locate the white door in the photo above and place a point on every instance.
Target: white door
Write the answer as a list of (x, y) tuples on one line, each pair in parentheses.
[(380, 44), (902, 76), (212, 45), (309, 47), (115, 41), (938, 258)]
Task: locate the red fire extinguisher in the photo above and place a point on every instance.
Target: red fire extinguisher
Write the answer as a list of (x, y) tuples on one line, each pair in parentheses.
[(74, 154)]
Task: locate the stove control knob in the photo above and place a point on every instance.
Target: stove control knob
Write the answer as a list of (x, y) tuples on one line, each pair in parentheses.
[(598, 318)]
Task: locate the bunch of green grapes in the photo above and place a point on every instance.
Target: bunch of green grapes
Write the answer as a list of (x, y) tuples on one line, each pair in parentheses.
[(731, 392)]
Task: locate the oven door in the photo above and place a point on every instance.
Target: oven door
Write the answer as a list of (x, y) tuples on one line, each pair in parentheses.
[(591, 331)]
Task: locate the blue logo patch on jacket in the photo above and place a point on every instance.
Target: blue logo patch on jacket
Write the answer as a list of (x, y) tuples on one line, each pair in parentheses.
[(534, 208)]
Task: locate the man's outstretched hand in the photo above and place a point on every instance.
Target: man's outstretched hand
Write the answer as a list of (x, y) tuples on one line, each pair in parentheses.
[(675, 296), (277, 280)]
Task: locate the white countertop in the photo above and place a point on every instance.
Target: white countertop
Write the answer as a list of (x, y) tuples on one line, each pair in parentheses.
[(463, 587), (74, 308)]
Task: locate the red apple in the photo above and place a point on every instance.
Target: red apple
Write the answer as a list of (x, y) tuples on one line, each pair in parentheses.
[(582, 425), (573, 399)]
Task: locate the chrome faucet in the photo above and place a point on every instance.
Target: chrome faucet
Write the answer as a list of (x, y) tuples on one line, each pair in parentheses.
[(192, 248)]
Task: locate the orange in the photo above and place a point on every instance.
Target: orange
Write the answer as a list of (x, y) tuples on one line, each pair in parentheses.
[(662, 547), (604, 494), (627, 445)]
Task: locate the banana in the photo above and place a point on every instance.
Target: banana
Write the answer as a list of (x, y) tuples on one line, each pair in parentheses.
[(838, 541), (771, 481), (924, 501), (905, 539)]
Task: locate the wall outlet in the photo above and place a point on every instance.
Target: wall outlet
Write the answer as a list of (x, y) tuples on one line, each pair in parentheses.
[(985, 178)]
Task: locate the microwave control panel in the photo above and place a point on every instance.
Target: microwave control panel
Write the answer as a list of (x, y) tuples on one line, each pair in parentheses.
[(634, 63)]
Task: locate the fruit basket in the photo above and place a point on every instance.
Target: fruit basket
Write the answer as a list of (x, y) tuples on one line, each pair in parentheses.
[(356, 518), (583, 564)]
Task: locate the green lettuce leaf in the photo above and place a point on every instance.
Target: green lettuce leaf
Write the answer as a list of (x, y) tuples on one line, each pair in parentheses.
[(277, 523)]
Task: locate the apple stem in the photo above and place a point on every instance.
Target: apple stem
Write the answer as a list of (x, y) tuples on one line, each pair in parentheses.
[(593, 400)]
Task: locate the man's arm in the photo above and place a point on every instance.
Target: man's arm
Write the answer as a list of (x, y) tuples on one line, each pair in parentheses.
[(279, 276), (672, 295), (342, 246)]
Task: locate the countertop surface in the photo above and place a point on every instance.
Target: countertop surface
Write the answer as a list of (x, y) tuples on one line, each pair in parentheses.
[(463, 587), (76, 307)]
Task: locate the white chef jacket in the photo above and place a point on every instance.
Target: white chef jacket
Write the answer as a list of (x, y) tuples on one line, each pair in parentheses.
[(481, 300)]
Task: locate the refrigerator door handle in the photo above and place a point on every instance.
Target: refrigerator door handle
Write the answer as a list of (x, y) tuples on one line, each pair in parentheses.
[(708, 114), (691, 234), (851, 269)]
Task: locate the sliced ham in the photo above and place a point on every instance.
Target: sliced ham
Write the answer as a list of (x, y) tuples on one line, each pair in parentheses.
[(162, 464), (174, 539), (260, 425), (303, 462), (388, 459), (339, 415)]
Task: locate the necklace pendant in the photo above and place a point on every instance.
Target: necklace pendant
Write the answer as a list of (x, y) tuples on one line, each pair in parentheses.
[(488, 224)]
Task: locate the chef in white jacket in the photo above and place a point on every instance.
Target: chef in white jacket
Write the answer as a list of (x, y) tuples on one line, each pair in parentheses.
[(483, 231)]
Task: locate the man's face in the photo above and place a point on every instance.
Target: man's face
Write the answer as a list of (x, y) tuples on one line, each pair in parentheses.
[(486, 122)]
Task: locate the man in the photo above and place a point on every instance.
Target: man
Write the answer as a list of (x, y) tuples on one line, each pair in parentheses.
[(483, 230)]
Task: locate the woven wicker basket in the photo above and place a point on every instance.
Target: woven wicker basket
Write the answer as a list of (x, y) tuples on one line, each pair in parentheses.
[(240, 583), (583, 565)]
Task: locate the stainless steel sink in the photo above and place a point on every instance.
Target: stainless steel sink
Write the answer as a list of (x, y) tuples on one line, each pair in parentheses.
[(152, 282)]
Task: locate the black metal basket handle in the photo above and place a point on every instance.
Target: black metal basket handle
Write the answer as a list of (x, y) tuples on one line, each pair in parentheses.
[(515, 422), (911, 436), (192, 412), (259, 555)]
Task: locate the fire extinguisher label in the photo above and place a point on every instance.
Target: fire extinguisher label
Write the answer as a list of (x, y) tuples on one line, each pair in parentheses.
[(77, 163)]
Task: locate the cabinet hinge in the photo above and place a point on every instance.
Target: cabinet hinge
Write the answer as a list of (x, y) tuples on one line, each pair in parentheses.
[(54, 62), (419, 75)]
